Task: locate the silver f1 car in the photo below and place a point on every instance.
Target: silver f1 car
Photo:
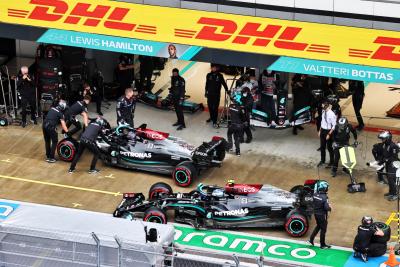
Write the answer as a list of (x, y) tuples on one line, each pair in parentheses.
[(154, 151)]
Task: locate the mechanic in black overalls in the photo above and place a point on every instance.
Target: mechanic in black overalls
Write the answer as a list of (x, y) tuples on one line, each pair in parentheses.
[(92, 91), (27, 90), (363, 245), (214, 81), (321, 209), (248, 102), (390, 154), (341, 138), (301, 97), (178, 96), (146, 73), (125, 72), (88, 140), (126, 106), (357, 88), (79, 107), (53, 118), (236, 124)]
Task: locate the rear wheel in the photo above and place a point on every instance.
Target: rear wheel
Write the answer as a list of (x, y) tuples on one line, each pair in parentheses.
[(298, 189), (155, 215), (184, 173), (296, 224), (221, 151), (386, 231), (66, 149), (158, 189)]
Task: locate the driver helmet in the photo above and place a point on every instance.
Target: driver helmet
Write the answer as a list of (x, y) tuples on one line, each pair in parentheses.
[(343, 123), (367, 221), (218, 193), (385, 136), (62, 105), (321, 186)]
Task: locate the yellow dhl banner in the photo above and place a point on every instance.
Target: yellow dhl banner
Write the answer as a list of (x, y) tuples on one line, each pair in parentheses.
[(210, 29)]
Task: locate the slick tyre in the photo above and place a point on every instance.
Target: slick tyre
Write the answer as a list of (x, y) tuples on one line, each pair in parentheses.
[(385, 229), (155, 215), (184, 173), (66, 149), (296, 224), (298, 190), (158, 189)]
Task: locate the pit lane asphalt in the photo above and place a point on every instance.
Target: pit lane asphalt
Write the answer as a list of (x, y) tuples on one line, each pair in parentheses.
[(275, 157)]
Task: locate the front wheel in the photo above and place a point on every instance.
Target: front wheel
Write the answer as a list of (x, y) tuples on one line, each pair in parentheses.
[(296, 224), (184, 173), (66, 149), (158, 189), (155, 215)]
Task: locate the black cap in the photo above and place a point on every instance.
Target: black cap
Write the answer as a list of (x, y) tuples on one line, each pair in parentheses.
[(175, 70)]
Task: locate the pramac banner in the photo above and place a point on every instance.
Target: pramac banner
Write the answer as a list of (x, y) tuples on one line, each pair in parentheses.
[(210, 29)]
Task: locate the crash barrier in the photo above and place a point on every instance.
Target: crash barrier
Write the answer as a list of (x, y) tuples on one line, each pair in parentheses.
[(39, 247)]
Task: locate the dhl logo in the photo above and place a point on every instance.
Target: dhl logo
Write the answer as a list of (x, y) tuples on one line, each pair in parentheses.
[(91, 15), (273, 35), (222, 30)]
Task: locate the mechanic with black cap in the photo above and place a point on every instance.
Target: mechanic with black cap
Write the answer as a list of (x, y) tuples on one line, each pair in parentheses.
[(178, 96), (321, 209), (341, 138), (27, 91), (88, 140), (364, 246), (214, 81), (328, 123), (390, 154), (248, 101), (236, 124), (53, 118), (79, 107), (126, 106)]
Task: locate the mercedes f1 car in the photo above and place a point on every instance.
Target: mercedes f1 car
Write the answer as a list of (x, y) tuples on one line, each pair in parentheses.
[(231, 206), (152, 151)]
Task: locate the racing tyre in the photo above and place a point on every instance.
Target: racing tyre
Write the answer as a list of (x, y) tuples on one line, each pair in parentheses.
[(66, 149), (386, 230), (155, 215), (296, 224), (221, 151), (298, 189), (158, 189), (184, 173)]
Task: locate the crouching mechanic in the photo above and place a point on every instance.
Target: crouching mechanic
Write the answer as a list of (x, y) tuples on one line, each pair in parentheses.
[(364, 246), (341, 138), (88, 140), (236, 124), (53, 118), (79, 107)]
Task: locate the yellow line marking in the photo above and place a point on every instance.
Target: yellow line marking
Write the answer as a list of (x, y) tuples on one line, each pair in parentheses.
[(6, 160), (76, 205), (391, 218), (61, 185)]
